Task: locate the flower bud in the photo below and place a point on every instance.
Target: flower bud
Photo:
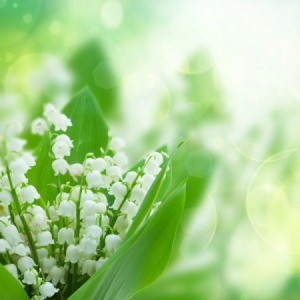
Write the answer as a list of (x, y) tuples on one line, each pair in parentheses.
[(72, 254), (29, 194), (12, 235), (94, 179), (44, 239), (89, 267), (47, 290), (75, 170), (65, 235), (67, 209), (60, 166), (12, 269), (25, 263), (56, 275), (47, 264), (39, 126), (4, 246), (30, 276), (118, 190), (94, 231), (112, 242)]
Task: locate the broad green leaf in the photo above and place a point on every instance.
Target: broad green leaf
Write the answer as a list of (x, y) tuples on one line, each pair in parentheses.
[(89, 134), (91, 67), (10, 288), (141, 259)]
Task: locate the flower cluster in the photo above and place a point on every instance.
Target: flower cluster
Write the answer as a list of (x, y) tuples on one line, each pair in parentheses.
[(51, 245)]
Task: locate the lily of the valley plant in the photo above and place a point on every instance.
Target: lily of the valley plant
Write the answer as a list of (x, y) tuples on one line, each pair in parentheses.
[(86, 217)]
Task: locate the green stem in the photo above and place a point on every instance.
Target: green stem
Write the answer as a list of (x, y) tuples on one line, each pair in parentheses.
[(24, 223), (77, 233)]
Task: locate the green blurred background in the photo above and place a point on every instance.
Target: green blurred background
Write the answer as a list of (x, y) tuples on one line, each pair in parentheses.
[(222, 74)]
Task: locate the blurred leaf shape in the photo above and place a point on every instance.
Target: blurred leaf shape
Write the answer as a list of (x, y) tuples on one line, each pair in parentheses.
[(141, 259), (91, 67)]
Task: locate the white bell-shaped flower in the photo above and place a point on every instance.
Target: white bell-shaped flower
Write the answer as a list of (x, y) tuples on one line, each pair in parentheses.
[(47, 264), (114, 172), (120, 159), (39, 126), (100, 262), (12, 235), (51, 113), (86, 195), (89, 267), (130, 209), (57, 275), (29, 159), (20, 250), (116, 144), (61, 149), (118, 190), (88, 245), (147, 181), (25, 263), (15, 145), (18, 179), (158, 157), (100, 208), (130, 177), (89, 220), (122, 224), (137, 194), (65, 235), (112, 242), (60, 166), (105, 220), (39, 222), (75, 170), (30, 276), (12, 269), (94, 232), (47, 290), (99, 164), (65, 139), (152, 167), (94, 179), (44, 239), (62, 122), (42, 253), (18, 166), (29, 194), (67, 209), (5, 197), (72, 254), (4, 246), (88, 208)]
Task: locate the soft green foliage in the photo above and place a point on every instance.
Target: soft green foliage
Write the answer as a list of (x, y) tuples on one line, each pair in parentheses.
[(97, 73), (89, 133), (10, 288), (142, 257)]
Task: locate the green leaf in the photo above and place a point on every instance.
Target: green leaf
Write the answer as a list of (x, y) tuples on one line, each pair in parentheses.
[(141, 259), (91, 67), (10, 288), (89, 133)]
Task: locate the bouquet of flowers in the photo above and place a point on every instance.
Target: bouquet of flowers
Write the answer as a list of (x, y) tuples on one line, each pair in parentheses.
[(74, 223)]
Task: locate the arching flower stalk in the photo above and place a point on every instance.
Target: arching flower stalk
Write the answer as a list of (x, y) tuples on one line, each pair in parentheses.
[(53, 245)]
